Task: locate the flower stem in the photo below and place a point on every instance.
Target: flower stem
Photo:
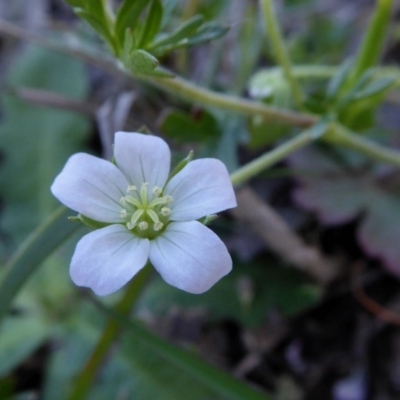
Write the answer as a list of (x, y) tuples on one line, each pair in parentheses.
[(371, 47), (279, 49), (341, 136), (86, 376), (270, 158), (181, 87)]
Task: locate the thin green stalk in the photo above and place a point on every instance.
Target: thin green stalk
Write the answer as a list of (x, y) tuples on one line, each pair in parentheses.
[(270, 158), (341, 136), (372, 45), (87, 375), (279, 49), (195, 94)]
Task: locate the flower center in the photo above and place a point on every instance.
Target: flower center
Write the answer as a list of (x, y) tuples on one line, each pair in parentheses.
[(145, 213)]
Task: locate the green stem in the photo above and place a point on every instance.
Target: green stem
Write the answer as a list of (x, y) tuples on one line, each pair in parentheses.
[(371, 47), (272, 157), (86, 376), (341, 136), (195, 94), (279, 49)]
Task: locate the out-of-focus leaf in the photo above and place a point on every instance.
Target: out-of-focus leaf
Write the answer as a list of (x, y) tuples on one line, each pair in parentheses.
[(99, 25), (186, 30), (21, 334), (339, 194), (143, 366), (31, 253), (36, 141), (271, 287), (377, 87), (154, 355), (128, 15), (339, 79), (185, 128), (207, 32), (152, 23)]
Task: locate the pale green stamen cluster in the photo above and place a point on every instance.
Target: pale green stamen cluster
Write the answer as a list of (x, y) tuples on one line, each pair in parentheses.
[(145, 214)]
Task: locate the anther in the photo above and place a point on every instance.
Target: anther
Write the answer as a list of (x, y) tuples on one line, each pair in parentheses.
[(143, 225), (123, 213), (168, 198), (157, 190), (158, 225), (131, 188), (165, 211), (122, 201)]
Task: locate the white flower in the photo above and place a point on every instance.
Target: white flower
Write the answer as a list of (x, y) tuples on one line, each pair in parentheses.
[(149, 216)]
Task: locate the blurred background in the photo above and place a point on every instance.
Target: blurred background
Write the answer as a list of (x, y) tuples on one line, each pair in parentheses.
[(310, 310)]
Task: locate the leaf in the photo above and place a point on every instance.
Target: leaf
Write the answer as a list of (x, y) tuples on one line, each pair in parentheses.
[(100, 25), (187, 29), (128, 15), (207, 32), (339, 79), (273, 287), (36, 248), (377, 87), (152, 23), (338, 194), (142, 366), (21, 334), (36, 141), (185, 128), (163, 362)]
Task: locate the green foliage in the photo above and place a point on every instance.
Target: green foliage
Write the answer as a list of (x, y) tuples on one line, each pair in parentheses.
[(355, 105), (184, 128), (36, 141), (127, 17), (271, 287), (192, 32), (217, 133)]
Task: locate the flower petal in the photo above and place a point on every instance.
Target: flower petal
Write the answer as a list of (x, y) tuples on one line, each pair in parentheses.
[(142, 158), (92, 187), (190, 256), (106, 259), (202, 188)]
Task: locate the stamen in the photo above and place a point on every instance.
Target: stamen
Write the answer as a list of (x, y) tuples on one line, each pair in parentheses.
[(157, 190), (157, 201), (123, 213), (168, 198), (131, 188), (152, 214), (122, 201), (143, 225), (143, 193), (135, 202), (158, 225), (165, 211), (135, 217)]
